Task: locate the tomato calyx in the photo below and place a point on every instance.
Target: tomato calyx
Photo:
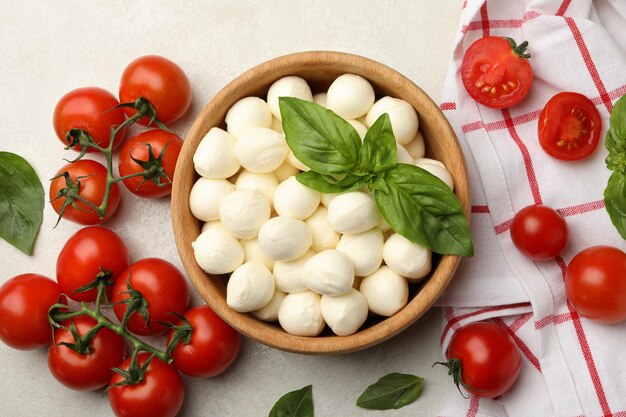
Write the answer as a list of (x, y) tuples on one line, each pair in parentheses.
[(82, 343), (104, 277), (520, 49), (135, 373), (153, 168), (455, 369), (135, 303), (80, 137), (182, 333), (71, 193), (144, 108)]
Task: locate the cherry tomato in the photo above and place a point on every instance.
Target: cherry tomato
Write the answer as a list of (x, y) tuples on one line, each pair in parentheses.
[(161, 82), (24, 303), (161, 285), (539, 232), (89, 182), (595, 283), (160, 394), (490, 362), (90, 109), (83, 256), (213, 347), (569, 127), (496, 72), (136, 148), (85, 371)]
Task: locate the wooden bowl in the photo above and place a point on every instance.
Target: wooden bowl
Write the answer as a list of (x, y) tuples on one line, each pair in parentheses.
[(319, 68)]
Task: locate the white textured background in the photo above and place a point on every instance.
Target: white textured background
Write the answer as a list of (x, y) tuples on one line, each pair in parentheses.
[(50, 47)]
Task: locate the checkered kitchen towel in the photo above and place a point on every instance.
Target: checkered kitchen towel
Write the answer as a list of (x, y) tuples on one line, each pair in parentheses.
[(571, 366)]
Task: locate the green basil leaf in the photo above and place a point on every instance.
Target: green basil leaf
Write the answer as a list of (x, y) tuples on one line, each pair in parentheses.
[(377, 182), (378, 153), (618, 120), (21, 202), (392, 391), (616, 159), (615, 201), (422, 208), (318, 137), (297, 403), (317, 182)]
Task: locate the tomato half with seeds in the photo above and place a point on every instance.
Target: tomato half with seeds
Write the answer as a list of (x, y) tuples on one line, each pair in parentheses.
[(569, 127), (496, 72)]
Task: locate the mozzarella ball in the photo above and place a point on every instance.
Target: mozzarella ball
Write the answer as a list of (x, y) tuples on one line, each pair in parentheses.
[(402, 115), (291, 86), (327, 198), (215, 155), (295, 162), (284, 238), (300, 314), (321, 99), (294, 199), (385, 291), (253, 253), (266, 183), (406, 258), (217, 252), (344, 313), (329, 273), (437, 169), (285, 171), (205, 197), (365, 250), (353, 212), (350, 96), (250, 287), (242, 212), (246, 113), (261, 150), (214, 224), (324, 237), (270, 311), (287, 274), (277, 125), (402, 155), (416, 147), (360, 128)]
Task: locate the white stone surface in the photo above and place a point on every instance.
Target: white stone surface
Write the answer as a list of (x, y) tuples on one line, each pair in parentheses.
[(49, 48)]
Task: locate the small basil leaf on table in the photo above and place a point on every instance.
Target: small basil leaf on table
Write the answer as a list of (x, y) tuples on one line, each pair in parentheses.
[(422, 208), (318, 137), (317, 182), (378, 153), (21, 202), (297, 403), (615, 201), (392, 391)]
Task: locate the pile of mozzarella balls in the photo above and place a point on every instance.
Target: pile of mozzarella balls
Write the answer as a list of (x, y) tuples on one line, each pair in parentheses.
[(294, 255)]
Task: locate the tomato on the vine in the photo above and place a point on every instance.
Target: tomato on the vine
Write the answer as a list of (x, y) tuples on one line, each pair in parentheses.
[(569, 127), (485, 359), (155, 151), (91, 109), (214, 345), (161, 82), (91, 369), (88, 180), (539, 232), (86, 254), (24, 303), (595, 283), (159, 394), (496, 73), (162, 289)]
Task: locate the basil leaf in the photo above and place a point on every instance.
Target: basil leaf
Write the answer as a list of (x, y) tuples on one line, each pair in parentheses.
[(21, 202), (615, 201), (422, 208), (317, 182), (616, 159), (318, 137), (378, 153), (618, 120), (392, 391), (297, 403)]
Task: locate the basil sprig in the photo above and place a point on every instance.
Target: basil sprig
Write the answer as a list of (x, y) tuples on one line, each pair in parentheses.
[(615, 191), (21, 202), (392, 391), (415, 203), (297, 403)]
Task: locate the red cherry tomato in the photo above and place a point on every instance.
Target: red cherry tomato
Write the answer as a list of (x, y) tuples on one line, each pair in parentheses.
[(90, 109), (539, 232), (213, 347), (495, 73), (595, 283), (136, 148), (85, 371), (83, 257), (490, 362), (161, 82), (160, 394), (92, 178), (162, 286), (24, 303), (569, 127)]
